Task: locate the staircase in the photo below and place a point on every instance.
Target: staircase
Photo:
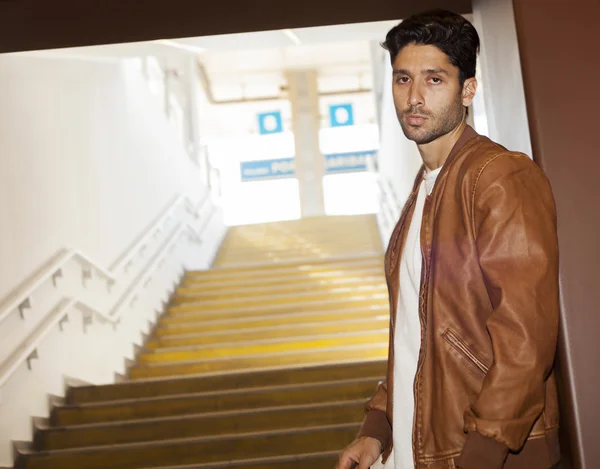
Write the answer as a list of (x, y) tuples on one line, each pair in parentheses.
[(262, 362)]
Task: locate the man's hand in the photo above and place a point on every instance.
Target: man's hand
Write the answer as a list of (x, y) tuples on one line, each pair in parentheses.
[(361, 454)]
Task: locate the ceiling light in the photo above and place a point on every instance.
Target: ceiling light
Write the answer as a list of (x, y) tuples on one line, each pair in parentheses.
[(180, 45), (292, 36)]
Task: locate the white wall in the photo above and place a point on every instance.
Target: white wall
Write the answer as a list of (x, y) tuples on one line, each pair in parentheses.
[(87, 161), (500, 65)]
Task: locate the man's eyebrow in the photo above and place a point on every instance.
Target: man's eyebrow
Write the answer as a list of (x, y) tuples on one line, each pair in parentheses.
[(439, 71), (429, 71)]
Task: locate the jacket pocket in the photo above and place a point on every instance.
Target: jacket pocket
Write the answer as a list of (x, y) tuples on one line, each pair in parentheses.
[(461, 347)]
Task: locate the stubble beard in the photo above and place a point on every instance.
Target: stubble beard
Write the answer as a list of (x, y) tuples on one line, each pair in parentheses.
[(436, 125)]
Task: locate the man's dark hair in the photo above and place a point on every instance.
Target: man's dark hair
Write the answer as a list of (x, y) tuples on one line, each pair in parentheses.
[(451, 33)]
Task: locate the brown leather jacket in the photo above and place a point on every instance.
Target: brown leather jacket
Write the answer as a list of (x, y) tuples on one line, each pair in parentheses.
[(485, 389)]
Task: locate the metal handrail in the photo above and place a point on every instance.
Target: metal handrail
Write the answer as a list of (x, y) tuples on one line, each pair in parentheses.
[(130, 254), (26, 350), (20, 298), (388, 199)]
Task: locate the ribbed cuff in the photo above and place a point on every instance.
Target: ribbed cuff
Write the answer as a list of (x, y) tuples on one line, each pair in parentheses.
[(482, 452), (376, 425)]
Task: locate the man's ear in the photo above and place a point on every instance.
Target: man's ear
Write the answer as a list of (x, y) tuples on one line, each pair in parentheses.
[(468, 91)]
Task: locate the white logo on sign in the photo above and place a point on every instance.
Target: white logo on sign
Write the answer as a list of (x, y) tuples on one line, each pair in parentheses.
[(270, 123), (282, 167), (342, 115)]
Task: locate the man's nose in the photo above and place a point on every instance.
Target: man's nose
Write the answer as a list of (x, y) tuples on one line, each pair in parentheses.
[(415, 96)]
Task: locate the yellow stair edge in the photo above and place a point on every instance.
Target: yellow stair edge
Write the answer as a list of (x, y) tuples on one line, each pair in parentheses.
[(263, 347)]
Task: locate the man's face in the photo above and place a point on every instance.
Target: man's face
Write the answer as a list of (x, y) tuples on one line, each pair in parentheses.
[(428, 98)]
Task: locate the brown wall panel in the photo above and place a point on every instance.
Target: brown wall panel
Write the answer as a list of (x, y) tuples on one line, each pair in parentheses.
[(46, 24), (559, 44)]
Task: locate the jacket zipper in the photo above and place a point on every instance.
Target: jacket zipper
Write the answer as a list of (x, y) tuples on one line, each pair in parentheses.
[(423, 340), (455, 341), (394, 243)]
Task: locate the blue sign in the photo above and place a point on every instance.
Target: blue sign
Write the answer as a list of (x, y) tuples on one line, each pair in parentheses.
[(341, 115), (267, 169), (348, 162), (270, 123)]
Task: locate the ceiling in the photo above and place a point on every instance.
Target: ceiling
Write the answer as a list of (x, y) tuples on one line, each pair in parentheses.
[(282, 38), (252, 65), (37, 25)]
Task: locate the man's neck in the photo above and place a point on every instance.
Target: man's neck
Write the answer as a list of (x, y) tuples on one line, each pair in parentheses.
[(434, 154)]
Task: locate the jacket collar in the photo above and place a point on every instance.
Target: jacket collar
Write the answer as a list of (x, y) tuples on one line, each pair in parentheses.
[(467, 135)]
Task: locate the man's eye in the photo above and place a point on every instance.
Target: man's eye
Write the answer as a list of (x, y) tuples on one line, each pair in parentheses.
[(435, 80), (402, 80)]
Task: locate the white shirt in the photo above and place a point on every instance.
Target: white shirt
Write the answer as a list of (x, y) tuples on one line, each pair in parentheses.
[(407, 334)]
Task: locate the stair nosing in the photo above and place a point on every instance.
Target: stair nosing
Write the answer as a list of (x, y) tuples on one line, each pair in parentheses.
[(172, 310), (219, 413), (247, 283), (170, 326), (337, 272), (339, 348), (256, 369), (203, 292), (272, 340), (297, 261), (336, 291), (267, 328), (201, 376), (207, 438), (268, 459), (333, 271), (219, 392)]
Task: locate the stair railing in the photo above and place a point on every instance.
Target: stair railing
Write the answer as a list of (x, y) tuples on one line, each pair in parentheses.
[(389, 208), (21, 299)]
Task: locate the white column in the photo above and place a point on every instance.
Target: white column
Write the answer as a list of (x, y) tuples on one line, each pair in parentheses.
[(310, 164)]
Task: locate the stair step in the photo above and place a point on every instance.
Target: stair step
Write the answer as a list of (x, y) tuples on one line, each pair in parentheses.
[(212, 323), (262, 362), (195, 425), (349, 301), (259, 347), (196, 450), (331, 277), (322, 460), (188, 385), (288, 272), (244, 257), (283, 299), (293, 248), (301, 266), (258, 362), (286, 331), (276, 295), (200, 291), (214, 401)]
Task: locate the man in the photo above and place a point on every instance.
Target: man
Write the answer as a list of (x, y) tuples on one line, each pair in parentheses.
[(472, 270)]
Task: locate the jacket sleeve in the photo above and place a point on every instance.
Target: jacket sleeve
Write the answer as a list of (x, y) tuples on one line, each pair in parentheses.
[(376, 424), (514, 220)]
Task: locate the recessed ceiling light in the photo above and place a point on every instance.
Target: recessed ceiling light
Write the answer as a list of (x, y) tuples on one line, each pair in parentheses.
[(179, 45), (292, 36)]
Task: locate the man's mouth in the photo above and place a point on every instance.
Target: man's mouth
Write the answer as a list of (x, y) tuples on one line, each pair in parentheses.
[(415, 119)]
